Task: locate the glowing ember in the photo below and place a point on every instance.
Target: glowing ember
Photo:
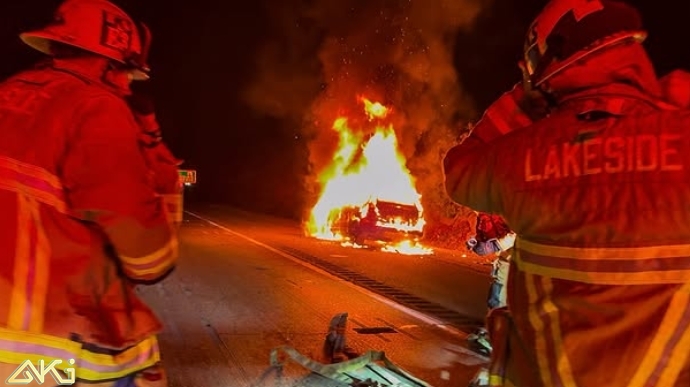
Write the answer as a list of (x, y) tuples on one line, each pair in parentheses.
[(368, 196)]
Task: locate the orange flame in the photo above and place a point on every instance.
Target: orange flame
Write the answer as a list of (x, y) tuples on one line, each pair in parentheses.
[(368, 195)]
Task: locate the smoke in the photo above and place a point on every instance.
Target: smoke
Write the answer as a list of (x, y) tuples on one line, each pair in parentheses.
[(324, 54)]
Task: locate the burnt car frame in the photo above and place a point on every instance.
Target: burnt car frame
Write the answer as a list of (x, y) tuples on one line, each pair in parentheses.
[(378, 222)]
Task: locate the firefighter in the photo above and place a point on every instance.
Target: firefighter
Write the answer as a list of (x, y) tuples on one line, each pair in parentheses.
[(599, 291), (495, 240), (82, 224)]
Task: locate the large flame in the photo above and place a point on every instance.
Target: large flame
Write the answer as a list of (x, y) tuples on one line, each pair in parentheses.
[(366, 171)]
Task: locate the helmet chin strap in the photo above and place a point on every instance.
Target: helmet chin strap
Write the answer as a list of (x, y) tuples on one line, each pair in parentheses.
[(118, 79), (534, 93)]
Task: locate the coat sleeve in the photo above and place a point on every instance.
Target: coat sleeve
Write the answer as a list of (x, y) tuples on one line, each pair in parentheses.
[(468, 166), (108, 183), (467, 169), (164, 167), (166, 178)]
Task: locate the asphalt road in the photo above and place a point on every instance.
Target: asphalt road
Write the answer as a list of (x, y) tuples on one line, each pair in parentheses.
[(246, 284)]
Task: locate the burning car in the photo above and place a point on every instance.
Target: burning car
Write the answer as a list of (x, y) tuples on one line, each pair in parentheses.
[(379, 222), (368, 195)]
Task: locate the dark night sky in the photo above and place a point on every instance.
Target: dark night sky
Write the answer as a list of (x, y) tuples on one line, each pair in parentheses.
[(204, 56)]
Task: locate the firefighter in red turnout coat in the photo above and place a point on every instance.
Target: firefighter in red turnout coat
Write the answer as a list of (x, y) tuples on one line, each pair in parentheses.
[(82, 222), (597, 193)]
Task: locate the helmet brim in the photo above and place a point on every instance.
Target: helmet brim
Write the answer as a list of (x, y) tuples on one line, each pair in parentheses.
[(42, 40), (38, 40), (141, 75)]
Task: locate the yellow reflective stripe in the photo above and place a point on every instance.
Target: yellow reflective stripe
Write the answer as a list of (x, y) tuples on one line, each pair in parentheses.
[(538, 328), (679, 357), (627, 253), (549, 309), (31, 265), (618, 278), (31, 170), (543, 316), (16, 347), (152, 263), (43, 253), (655, 352), (33, 181), (495, 380), (499, 381), (41, 196), (154, 257), (20, 276)]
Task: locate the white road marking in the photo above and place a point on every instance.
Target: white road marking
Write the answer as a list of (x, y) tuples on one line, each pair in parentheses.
[(410, 312)]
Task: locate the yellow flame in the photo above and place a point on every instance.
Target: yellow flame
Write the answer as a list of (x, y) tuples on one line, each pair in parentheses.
[(363, 171), (374, 109)]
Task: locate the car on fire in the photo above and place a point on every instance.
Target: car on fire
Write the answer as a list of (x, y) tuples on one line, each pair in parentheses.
[(379, 222)]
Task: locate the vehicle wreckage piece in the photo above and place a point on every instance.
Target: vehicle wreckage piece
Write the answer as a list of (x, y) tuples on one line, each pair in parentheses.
[(335, 347), (371, 369)]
